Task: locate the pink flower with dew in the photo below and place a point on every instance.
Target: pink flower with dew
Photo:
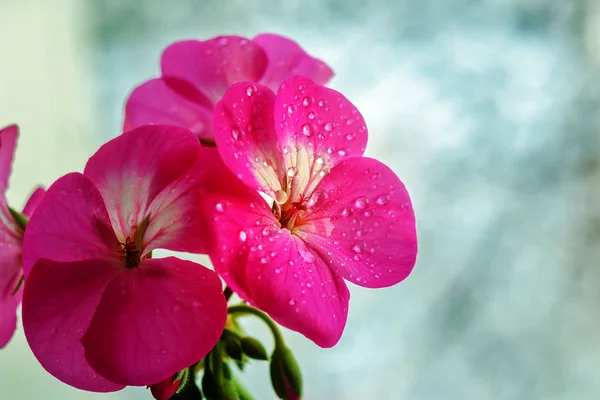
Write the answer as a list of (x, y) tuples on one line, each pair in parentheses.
[(196, 74), (11, 239), (98, 312), (336, 214)]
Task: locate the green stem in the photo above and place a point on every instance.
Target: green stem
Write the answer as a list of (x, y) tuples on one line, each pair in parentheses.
[(242, 309)]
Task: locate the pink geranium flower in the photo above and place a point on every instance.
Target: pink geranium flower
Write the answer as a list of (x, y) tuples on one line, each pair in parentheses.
[(195, 74), (11, 239), (98, 312), (336, 214)]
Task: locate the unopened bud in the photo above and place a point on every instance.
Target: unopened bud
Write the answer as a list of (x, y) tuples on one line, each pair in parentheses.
[(253, 348), (285, 374)]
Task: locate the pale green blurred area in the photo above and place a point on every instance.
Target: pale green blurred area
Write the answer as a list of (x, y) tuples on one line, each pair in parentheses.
[(488, 111)]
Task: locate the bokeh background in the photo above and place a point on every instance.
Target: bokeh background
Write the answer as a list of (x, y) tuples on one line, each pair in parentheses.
[(487, 109)]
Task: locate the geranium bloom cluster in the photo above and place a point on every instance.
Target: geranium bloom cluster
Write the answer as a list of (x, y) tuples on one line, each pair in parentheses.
[(237, 151)]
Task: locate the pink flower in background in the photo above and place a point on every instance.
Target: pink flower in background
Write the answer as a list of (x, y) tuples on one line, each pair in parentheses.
[(195, 74), (336, 214), (98, 312), (11, 238)]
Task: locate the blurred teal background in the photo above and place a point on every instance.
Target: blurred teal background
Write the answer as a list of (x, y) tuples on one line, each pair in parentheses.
[(488, 111)]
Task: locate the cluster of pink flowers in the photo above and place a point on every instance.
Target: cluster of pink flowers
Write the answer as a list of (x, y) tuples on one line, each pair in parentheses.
[(237, 151)]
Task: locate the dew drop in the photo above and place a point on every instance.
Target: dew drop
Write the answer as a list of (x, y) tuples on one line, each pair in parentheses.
[(220, 207), (306, 130), (346, 212), (368, 213), (277, 270), (290, 110), (223, 41), (329, 127), (319, 160), (383, 200), (349, 136), (306, 101), (292, 302), (321, 103), (281, 196), (359, 247), (292, 171), (361, 202), (250, 90), (243, 236), (235, 133), (266, 231), (263, 260), (341, 153), (311, 115)]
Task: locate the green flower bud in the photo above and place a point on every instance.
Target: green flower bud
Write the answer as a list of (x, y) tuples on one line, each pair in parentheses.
[(253, 348), (234, 349), (285, 374)]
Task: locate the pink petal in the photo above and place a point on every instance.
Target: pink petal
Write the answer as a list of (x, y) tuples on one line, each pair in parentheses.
[(287, 58), (70, 224), (245, 136), (132, 169), (155, 320), (215, 64), (274, 270), (318, 128), (10, 272), (176, 221), (59, 301), (363, 224), (157, 102), (34, 200), (8, 143)]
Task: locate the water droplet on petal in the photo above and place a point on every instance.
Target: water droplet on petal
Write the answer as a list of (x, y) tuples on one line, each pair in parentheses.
[(243, 236), (359, 247), (290, 110), (292, 302), (346, 212), (281, 196), (263, 260), (361, 202), (277, 270), (329, 127), (319, 160), (383, 200), (292, 171), (250, 90), (350, 136), (306, 101), (311, 115), (306, 130), (220, 207), (341, 153), (266, 231), (235, 133)]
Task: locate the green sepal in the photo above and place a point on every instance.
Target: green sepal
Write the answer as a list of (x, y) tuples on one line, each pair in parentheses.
[(253, 348), (19, 218), (184, 378)]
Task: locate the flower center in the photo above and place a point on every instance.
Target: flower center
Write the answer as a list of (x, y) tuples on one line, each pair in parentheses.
[(290, 213), (131, 255), (131, 250)]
